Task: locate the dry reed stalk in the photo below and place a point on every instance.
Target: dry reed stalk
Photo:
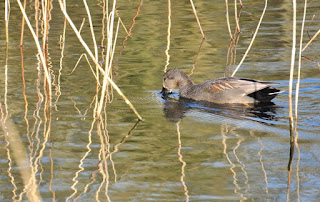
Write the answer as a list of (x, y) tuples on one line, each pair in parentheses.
[(43, 61), (96, 62), (310, 25), (92, 31), (293, 51), (44, 5), (241, 5), (22, 24), (168, 37), (236, 15), (87, 59), (227, 16), (299, 67), (109, 55), (94, 45), (306, 46), (198, 21), (253, 38), (81, 26), (6, 18), (124, 27)]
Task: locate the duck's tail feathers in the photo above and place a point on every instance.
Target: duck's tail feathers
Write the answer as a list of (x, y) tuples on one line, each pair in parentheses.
[(265, 95)]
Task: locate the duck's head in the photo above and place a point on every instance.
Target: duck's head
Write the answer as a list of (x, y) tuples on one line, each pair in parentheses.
[(173, 79)]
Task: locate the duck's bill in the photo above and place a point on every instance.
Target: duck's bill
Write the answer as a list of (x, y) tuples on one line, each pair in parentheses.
[(165, 91)]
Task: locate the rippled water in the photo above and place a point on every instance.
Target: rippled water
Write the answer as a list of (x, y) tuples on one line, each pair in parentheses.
[(182, 150)]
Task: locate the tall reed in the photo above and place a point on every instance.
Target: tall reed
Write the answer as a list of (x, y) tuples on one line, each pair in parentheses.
[(198, 21), (293, 52), (299, 65), (253, 38), (6, 18), (103, 71), (43, 60)]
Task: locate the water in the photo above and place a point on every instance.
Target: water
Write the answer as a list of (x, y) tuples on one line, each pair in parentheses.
[(182, 150)]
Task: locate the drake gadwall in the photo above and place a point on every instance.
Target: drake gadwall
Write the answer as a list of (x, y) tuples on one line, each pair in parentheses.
[(229, 90)]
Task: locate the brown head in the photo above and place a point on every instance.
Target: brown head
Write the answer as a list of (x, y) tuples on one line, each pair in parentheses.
[(173, 79)]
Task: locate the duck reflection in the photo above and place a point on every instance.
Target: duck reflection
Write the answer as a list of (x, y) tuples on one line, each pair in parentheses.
[(174, 109)]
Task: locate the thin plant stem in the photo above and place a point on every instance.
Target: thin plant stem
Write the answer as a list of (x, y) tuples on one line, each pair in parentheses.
[(253, 38), (236, 15), (6, 18), (43, 61), (22, 24), (306, 46), (91, 29), (310, 25), (294, 30), (299, 64), (227, 16), (96, 62), (241, 5), (198, 21), (108, 59)]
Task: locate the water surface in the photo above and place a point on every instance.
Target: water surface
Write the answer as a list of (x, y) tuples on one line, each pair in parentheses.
[(181, 151)]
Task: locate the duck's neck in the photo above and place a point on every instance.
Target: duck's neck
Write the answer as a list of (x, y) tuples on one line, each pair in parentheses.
[(185, 81)]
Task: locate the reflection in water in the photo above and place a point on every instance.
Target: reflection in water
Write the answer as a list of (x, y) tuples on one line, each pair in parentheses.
[(174, 109), (197, 57), (186, 192), (15, 150), (168, 37), (260, 159), (224, 132)]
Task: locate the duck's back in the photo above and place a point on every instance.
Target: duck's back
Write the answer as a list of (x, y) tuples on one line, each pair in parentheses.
[(230, 90)]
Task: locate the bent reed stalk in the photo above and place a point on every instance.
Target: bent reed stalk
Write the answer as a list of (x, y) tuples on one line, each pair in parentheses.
[(96, 62), (198, 21), (253, 38)]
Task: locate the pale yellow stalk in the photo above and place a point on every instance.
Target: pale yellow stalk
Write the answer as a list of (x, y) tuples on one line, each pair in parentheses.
[(43, 61), (253, 38)]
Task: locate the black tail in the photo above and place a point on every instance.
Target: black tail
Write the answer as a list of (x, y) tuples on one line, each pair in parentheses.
[(265, 95)]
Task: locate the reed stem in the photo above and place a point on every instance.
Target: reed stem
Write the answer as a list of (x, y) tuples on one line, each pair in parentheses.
[(236, 15), (6, 18), (299, 66), (306, 46), (294, 30), (43, 61), (106, 76), (198, 21), (227, 16), (253, 38)]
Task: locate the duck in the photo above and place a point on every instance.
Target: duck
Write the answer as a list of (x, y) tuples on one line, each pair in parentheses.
[(226, 90)]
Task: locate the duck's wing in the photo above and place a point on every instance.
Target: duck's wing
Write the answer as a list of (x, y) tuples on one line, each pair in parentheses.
[(247, 86)]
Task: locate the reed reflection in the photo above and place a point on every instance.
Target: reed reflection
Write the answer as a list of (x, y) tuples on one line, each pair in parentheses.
[(183, 163)]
